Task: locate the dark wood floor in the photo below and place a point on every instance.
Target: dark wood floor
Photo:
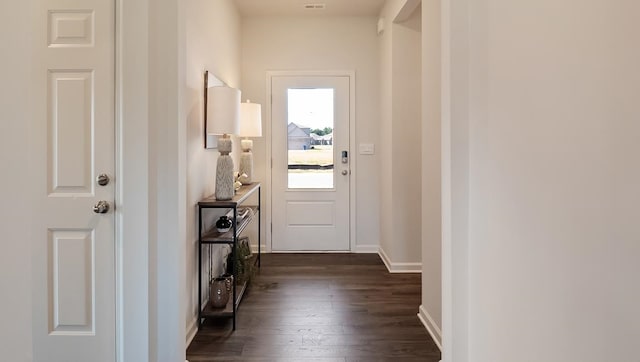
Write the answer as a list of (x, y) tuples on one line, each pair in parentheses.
[(322, 307)]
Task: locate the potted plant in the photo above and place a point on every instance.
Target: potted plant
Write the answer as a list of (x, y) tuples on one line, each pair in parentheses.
[(242, 260)]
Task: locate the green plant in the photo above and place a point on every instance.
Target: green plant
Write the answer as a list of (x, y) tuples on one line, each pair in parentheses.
[(243, 260)]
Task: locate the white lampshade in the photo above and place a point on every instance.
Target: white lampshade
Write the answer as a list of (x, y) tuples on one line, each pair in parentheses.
[(250, 120), (223, 110)]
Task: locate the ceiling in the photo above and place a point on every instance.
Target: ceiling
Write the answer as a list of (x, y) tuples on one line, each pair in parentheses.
[(297, 7)]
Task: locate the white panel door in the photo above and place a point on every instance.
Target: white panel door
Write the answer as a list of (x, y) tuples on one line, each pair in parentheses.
[(73, 143), (310, 178)]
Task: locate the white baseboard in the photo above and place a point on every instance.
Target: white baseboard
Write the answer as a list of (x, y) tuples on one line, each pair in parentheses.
[(360, 249), (431, 326), (192, 329), (263, 248), (399, 267), (367, 249)]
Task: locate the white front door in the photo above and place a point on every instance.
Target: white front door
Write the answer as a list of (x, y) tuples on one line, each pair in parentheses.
[(73, 279), (310, 176)]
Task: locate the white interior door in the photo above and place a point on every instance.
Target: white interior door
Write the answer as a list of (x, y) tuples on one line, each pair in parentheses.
[(310, 177), (73, 278)]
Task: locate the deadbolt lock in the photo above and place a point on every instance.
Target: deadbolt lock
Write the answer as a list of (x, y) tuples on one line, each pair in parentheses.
[(103, 179)]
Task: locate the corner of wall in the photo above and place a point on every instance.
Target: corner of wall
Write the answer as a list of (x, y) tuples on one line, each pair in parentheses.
[(398, 267)]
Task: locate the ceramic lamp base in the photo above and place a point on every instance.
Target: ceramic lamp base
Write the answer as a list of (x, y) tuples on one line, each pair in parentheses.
[(246, 145), (224, 171), (246, 167)]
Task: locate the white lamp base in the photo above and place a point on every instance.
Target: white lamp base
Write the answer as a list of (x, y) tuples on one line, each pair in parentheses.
[(246, 161), (246, 167)]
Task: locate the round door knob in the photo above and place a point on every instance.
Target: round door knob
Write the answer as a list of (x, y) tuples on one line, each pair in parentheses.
[(102, 207), (345, 172)]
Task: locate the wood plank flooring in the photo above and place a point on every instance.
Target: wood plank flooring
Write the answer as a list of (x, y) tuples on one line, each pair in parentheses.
[(322, 307)]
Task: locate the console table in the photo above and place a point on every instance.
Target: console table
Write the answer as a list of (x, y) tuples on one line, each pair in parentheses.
[(212, 236)]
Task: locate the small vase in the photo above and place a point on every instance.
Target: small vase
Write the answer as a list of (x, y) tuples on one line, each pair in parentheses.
[(223, 224), (219, 292)]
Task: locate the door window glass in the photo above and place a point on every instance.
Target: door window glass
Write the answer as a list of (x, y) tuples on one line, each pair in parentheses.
[(310, 138)]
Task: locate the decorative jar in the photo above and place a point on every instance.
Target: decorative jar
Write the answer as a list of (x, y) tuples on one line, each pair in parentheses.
[(219, 292), (223, 224)]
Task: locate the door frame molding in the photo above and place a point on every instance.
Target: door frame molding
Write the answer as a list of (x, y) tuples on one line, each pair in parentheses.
[(352, 141), (150, 319), (131, 46)]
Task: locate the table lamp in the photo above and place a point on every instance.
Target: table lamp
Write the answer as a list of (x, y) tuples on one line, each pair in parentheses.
[(223, 112), (250, 126)]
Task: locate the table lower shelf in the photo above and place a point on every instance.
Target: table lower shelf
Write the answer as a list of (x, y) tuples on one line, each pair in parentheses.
[(210, 312), (229, 311)]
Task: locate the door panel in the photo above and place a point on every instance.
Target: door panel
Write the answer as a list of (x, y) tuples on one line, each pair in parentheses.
[(73, 255), (301, 213), (70, 124), (310, 183), (71, 282)]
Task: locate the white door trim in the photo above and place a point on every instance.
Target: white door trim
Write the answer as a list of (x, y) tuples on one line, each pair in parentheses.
[(132, 183), (352, 142), (455, 179), (145, 90)]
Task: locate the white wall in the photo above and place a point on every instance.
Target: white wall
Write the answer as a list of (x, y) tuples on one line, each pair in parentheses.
[(455, 180), (400, 172), (322, 43), (406, 139), (212, 42), (431, 308), (553, 177)]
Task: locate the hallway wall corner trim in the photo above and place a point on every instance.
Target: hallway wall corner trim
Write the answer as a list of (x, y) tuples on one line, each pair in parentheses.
[(431, 326), (399, 267)]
